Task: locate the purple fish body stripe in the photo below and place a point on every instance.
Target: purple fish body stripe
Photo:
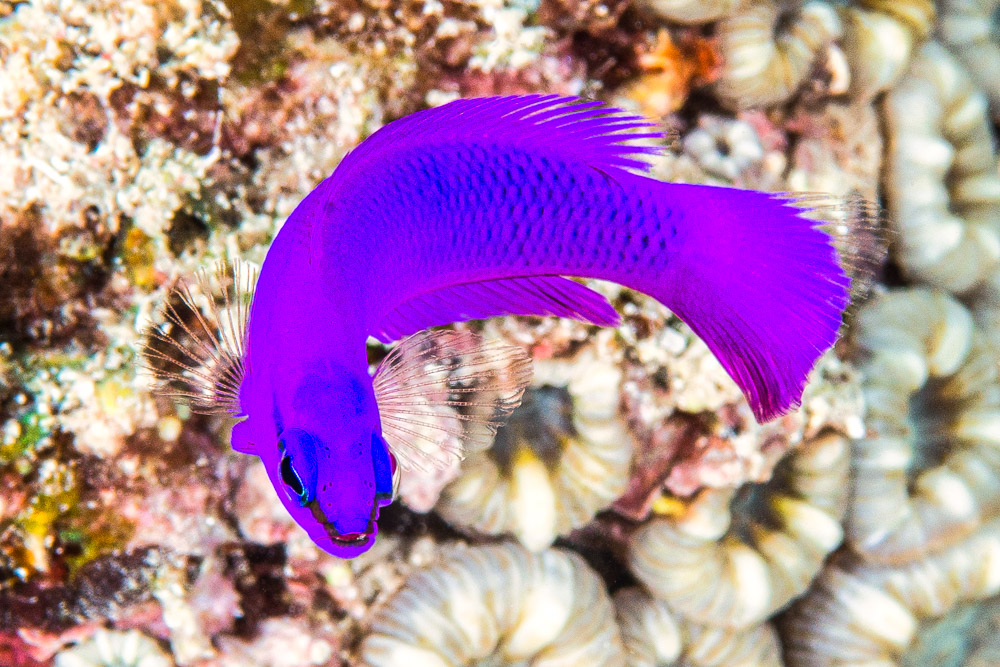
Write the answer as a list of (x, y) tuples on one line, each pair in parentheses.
[(481, 208)]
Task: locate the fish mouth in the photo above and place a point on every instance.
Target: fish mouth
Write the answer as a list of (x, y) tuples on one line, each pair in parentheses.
[(347, 539)]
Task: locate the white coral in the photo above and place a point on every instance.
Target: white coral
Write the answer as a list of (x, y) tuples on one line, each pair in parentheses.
[(108, 648)]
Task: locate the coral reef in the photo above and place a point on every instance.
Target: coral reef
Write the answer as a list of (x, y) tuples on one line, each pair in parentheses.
[(141, 141), (735, 567), (941, 180), (868, 614), (926, 473), (497, 603), (562, 456), (654, 635), (769, 48)]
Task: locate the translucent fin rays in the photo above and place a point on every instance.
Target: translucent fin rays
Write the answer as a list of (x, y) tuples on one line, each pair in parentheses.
[(857, 229), (440, 392), (197, 353)]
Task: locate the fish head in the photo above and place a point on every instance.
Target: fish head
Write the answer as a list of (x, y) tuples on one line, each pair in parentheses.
[(333, 471)]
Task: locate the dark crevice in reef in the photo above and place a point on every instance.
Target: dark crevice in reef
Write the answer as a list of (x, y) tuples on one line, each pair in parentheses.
[(99, 589), (48, 295)]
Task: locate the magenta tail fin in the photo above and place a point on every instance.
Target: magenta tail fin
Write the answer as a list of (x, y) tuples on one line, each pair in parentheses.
[(764, 280)]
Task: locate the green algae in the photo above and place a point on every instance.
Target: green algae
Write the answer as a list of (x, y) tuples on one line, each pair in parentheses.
[(61, 513), (30, 434)]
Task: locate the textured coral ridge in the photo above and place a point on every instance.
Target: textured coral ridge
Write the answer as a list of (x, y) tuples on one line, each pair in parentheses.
[(142, 140), (497, 604)]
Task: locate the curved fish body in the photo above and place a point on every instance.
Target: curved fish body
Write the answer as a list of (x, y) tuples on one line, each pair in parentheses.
[(481, 208)]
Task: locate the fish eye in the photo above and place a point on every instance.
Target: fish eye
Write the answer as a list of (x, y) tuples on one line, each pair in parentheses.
[(297, 467), (292, 482)]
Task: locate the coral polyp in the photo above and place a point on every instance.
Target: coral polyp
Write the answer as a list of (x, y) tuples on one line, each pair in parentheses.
[(878, 44), (735, 567), (866, 614), (497, 604), (122, 649), (654, 635), (926, 475), (941, 179), (970, 30), (768, 49), (692, 11)]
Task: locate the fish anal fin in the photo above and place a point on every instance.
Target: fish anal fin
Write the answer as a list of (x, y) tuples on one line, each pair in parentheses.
[(534, 295)]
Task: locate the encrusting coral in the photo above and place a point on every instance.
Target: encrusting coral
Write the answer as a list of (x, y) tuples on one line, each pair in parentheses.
[(941, 180), (927, 473), (498, 604)]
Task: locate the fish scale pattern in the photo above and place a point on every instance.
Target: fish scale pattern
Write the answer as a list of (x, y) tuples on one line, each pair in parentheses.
[(518, 210)]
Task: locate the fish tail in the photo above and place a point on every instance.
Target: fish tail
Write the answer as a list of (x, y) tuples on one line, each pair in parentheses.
[(764, 280)]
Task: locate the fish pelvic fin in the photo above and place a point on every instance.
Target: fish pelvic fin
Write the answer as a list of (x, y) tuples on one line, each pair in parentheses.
[(442, 393), (765, 279), (196, 348)]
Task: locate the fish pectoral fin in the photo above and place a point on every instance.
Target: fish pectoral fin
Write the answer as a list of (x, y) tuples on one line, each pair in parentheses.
[(441, 393), (531, 295)]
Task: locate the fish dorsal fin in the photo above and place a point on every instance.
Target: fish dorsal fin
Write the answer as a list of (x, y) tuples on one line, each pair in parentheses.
[(538, 295), (606, 138), (196, 349), (441, 393)]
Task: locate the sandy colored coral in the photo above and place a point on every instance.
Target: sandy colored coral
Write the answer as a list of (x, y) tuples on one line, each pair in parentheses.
[(878, 49), (941, 179), (969, 29), (654, 636), (735, 567), (497, 603), (926, 473), (692, 11), (124, 649), (769, 49), (864, 614), (551, 470)]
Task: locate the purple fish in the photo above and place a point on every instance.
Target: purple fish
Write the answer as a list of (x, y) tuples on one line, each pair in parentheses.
[(477, 209)]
